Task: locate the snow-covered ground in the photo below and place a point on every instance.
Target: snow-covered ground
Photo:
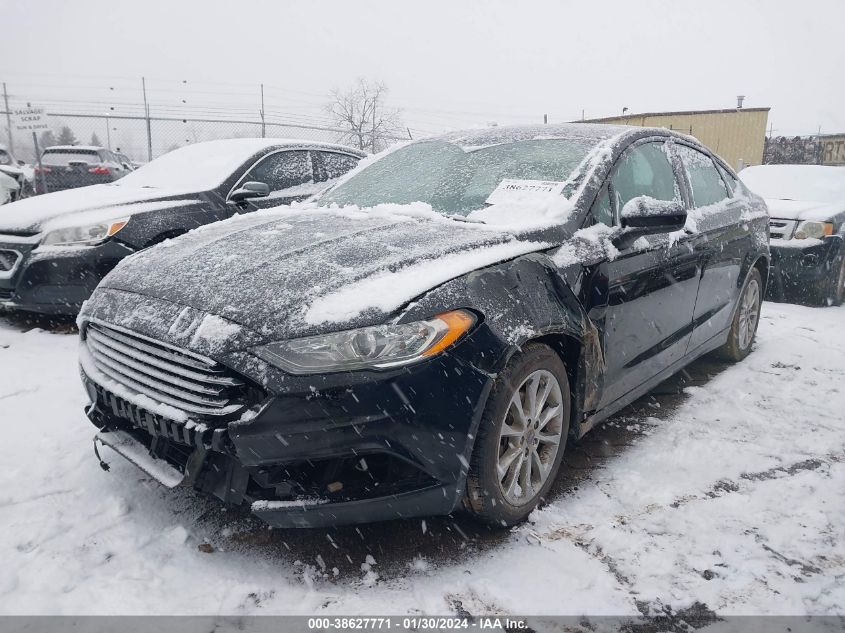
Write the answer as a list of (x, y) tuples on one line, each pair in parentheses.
[(735, 499)]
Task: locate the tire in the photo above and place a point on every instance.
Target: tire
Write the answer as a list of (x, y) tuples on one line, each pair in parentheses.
[(836, 293), (746, 319), (504, 440)]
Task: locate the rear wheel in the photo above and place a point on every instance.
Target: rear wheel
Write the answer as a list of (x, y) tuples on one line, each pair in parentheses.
[(746, 318), (521, 439)]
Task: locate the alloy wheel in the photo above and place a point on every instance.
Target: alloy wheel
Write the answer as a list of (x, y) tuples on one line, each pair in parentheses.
[(530, 437), (749, 312)]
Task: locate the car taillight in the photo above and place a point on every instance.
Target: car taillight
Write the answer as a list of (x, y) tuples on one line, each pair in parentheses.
[(103, 171), (42, 170)]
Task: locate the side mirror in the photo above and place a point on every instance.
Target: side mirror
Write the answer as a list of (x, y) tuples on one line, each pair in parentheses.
[(21, 163), (250, 190), (644, 215), (649, 216)]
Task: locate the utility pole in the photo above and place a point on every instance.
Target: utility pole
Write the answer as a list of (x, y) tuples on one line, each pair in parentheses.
[(40, 169), (147, 115), (263, 126), (545, 119), (8, 120)]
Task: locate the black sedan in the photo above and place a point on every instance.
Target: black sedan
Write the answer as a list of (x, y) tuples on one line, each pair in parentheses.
[(55, 249), (431, 333), (807, 208)]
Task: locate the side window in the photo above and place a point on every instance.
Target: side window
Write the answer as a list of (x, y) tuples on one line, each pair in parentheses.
[(331, 165), (733, 183), (705, 181), (282, 170), (602, 209), (645, 170)]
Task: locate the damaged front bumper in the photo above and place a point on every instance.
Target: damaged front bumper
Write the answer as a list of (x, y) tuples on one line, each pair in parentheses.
[(801, 270), (394, 445)]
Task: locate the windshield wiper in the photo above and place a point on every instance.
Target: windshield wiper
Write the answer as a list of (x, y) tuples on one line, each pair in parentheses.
[(463, 218)]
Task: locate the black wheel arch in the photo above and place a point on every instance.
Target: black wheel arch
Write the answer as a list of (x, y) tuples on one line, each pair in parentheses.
[(522, 301)]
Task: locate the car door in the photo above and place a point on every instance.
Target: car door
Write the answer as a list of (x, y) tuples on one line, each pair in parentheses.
[(289, 175), (721, 239), (642, 300)]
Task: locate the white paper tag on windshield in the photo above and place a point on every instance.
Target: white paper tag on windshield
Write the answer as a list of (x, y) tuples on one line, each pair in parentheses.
[(511, 190)]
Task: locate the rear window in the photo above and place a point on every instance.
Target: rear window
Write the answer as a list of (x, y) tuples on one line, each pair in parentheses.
[(67, 157)]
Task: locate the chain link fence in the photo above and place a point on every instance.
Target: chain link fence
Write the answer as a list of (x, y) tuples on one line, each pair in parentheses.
[(145, 138)]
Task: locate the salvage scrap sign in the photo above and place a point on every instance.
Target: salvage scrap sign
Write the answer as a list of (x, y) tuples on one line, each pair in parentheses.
[(29, 119)]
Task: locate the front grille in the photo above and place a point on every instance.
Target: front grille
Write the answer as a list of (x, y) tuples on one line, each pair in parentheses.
[(782, 229), (6, 293), (8, 259), (165, 373)]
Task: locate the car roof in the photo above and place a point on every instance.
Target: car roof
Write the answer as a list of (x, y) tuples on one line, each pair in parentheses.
[(65, 148), (496, 135), (255, 145)]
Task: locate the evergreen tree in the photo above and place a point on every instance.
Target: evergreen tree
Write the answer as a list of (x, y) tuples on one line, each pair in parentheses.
[(95, 140), (66, 136), (48, 139)]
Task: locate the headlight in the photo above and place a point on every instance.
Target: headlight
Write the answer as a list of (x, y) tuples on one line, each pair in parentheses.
[(377, 347), (813, 229), (91, 234)]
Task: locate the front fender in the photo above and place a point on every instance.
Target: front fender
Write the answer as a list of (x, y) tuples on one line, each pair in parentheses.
[(523, 300)]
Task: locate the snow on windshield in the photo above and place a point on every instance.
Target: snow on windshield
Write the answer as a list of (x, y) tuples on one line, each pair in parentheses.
[(454, 180), (197, 167), (796, 182)]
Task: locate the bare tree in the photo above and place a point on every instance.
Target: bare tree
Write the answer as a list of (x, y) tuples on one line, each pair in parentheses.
[(361, 112)]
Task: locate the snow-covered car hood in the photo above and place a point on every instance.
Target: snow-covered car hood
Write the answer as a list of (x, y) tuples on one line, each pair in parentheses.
[(285, 274), (7, 182), (11, 170), (803, 209), (31, 214), (8, 186)]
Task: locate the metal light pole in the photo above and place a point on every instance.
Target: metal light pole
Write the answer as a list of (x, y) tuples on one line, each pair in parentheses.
[(108, 131), (147, 115), (263, 126)]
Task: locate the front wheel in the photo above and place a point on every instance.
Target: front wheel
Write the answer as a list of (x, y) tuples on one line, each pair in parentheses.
[(836, 294), (521, 439), (746, 319)]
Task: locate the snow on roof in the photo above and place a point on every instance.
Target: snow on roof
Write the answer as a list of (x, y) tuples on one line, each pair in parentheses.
[(203, 166), (512, 134), (65, 148)]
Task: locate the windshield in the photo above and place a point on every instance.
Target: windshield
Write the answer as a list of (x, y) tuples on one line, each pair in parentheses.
[(453, 180), (796, 182), (63, 158)]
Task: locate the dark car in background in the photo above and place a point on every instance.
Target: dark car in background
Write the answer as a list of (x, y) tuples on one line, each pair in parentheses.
[(428, 334), (807, 208), (71, 166), (54, 249)]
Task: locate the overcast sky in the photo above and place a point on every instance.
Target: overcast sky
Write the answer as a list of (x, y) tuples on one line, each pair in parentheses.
[(447, 64)]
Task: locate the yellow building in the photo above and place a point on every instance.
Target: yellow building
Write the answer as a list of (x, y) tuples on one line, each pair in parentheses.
[(738, 135)]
